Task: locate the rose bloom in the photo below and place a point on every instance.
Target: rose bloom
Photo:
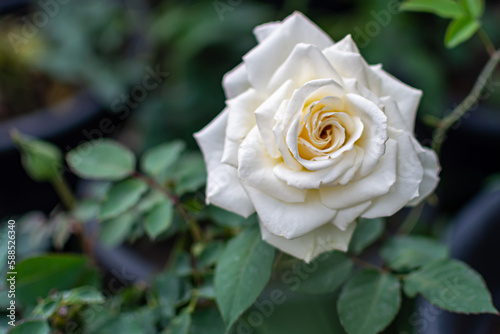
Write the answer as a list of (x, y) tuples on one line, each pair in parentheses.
[(312, 138)]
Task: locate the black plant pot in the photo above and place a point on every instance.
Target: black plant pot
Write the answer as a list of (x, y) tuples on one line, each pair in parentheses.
[(474, 241)]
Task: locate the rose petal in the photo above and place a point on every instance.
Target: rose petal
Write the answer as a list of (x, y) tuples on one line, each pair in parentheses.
[(305, 63), (264, 116), (347, 216), (263, 60), (430, 163), (310, 245), (290, 220), (370, 187), (265, 30), (374, 132), (240, 121), (255, 169), (409, 176), (223, 186), (235, 81), (407, 98)]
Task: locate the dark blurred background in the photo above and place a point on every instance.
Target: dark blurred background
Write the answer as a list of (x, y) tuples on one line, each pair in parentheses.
[(150, 71)]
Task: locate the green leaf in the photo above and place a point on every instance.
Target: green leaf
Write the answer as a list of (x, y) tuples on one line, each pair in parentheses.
[(121, 197), (157, 160), (207, 321), (190, 173), (169, 289), (153, 197), (443, 8), (180, 324), (326, 273), (101, 160), (82, 295), (159, 218), (36, 276), (369, 302), (407, 253), (474, 7), (114, 231), (366, 233), (225, 218), (207, 289), (210, 255), (41, 160), (460, 31), (46, 308), (242, 272), (450, 285), (30, 327), (62, 229)]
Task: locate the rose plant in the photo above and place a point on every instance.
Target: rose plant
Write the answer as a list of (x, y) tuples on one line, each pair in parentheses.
[(313, 149)]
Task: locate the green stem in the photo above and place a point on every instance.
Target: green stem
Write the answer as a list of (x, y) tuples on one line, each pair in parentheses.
[(193, 302), (411, 220), (444, 125), (363, 263), (64, 192), (486, 41)]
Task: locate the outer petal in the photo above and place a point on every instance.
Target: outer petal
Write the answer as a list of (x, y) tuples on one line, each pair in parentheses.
[(305, 63), (347, 216), (263, 60), (241, 120), (370, 187), (223, 186), (430, 162), (310, 245), (256, 169), (235, 81), (290, 220), (407, 98), (265, 30), (410, 174)]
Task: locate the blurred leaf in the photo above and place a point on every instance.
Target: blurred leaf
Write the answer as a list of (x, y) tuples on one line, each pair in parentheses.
[(30, 327), (226, 218), (410, 252), (460, 31), (443, 8), (366, 233), (82, 295), (114, 231), (62, 230), (180, 324), (157, 160), (153, 197), (450, 285), (169, 290), (190, 173), (207, 321), (41, 160), (242, 272), (121, 197), (123, 323), (369, 302), (103, 159), (210, 255), (207, 289), (182, 264), (474, 7), (37, 276), (47, 307), (326, 273), (159, 218), (86, 210)]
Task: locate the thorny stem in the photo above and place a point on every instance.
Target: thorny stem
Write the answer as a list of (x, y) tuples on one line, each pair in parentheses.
[(445, 124), (192, 224)]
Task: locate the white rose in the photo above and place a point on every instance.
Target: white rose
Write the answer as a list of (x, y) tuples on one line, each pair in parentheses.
[(313, 138)]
